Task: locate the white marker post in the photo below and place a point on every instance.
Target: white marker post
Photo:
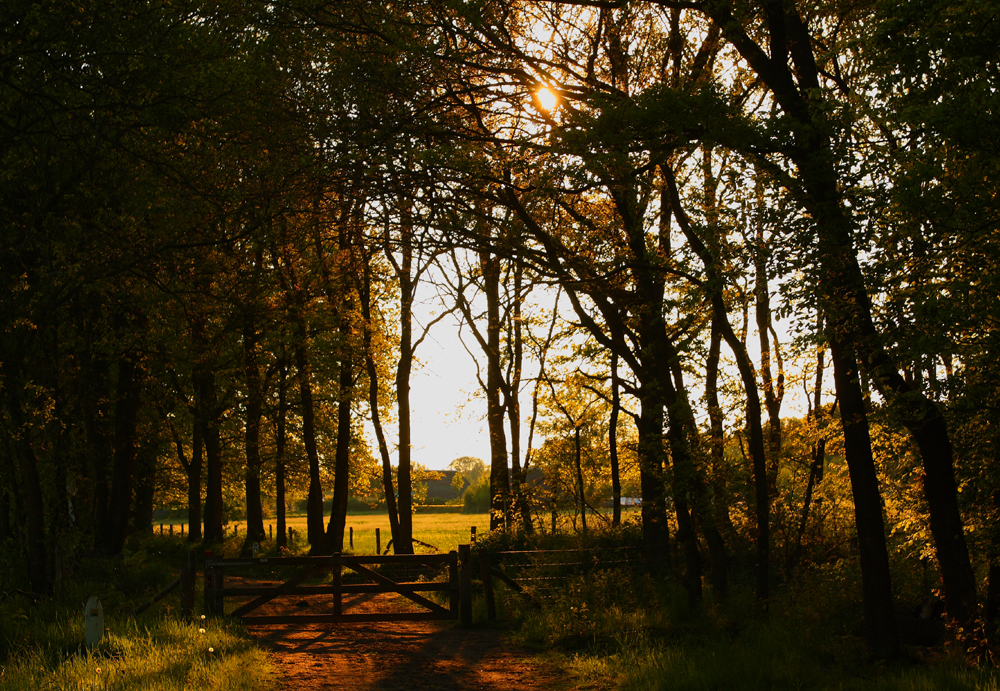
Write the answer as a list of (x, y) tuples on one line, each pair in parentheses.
[(93, 618)]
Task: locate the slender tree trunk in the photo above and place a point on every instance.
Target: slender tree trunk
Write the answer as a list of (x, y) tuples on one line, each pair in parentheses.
[(578, 465), (817, 458), (717, 440), (518, 475), (279, 453), (720, 319), (373, 406), (404, 367), (499, 477), (194, 479), (772, 389), (254, 415), (616, 481), (314, 503)]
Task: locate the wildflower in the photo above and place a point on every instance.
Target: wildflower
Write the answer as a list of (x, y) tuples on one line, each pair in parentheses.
[(201, 630), (211, 650), (98, 670), (203, 617)]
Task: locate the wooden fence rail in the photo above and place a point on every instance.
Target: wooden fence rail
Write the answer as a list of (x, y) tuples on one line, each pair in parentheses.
[(366, 567)]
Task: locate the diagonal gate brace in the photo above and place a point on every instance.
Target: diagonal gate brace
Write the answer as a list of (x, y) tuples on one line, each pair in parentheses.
[(379, 578), (280, 590)]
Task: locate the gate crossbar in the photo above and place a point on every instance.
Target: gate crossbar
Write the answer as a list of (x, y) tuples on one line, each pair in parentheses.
[(215, 591)]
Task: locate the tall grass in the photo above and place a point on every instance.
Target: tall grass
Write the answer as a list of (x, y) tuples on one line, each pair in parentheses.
[(42, 640), (159, 655)]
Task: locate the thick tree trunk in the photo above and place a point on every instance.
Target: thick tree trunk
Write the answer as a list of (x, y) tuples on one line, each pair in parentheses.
[(141, 519), (689, 480), (27, 465), (96, 414), (123, 469), (208, 414), (880, 630)]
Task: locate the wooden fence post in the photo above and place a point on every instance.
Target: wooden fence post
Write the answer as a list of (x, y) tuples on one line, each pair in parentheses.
[(338, 606), (465, 584), (218, 588), (187, 585), (484, 573), (453, 582), (351, 533), (378, 541), (209, 584), (472, 535)]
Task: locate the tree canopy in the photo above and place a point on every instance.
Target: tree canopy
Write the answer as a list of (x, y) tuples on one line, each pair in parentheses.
[(658, 224)]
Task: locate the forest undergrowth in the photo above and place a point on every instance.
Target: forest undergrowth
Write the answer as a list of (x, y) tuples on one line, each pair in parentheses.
[(628, 629), (42, 637)]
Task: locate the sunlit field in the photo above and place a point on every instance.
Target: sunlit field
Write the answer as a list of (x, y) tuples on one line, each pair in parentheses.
[(444, 531)]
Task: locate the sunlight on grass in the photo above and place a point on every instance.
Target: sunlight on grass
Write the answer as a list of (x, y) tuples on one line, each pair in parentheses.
[(165, 655), (446, 531)]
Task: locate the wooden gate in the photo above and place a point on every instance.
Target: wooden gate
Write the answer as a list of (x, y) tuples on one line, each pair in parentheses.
[(364, 566)]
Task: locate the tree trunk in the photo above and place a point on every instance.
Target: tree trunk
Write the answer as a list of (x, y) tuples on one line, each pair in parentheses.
[(499, 477), (194, 479), (208, 415), (123, 469), (579, 480), (342, 458), (315, 532), (720, 321), (518, 475), (373, 406), (27, 464), (773, 390), (254, 415), (616, 406), (279, 453), (880, 630), (717, 437)]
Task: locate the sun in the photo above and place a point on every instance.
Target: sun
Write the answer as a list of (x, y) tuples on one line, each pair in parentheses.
[(547, 98)]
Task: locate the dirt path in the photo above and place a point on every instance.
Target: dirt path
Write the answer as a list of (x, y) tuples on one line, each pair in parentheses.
[(410, 656)]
